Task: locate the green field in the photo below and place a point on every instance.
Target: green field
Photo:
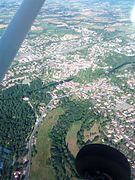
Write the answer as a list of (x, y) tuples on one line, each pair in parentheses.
[(71, 138), (41, 168)]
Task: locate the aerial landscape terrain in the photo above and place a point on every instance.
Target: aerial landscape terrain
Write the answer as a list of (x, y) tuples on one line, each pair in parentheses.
[(72, 83)]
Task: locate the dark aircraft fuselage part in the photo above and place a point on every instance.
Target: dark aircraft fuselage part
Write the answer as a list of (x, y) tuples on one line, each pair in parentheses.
[(16, 32), (102, 162)]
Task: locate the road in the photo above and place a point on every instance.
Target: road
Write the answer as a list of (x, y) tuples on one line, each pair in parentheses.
[(39, 120), (37, 125)]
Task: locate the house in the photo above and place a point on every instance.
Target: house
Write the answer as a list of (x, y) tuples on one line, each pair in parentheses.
[(17, 174)]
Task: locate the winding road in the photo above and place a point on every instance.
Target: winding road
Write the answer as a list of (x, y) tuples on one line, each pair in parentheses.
[(37, 125)]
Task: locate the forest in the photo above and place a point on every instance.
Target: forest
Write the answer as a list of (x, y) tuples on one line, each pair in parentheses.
[(19, 108), (61, 158), (17, 119)]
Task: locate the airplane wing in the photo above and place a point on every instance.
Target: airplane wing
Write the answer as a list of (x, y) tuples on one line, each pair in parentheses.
[(16, 32)]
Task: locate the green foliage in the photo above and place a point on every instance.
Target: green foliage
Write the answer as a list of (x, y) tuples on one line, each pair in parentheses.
[(88, 75), (16, 121), (117, 60), (17, 91), (121, 83), (17, 116), (61, 156), (84, 52), (50, 29)]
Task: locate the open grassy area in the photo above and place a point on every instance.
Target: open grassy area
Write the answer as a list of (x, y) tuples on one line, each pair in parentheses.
[(71, 138), (41, 168), (93, 133)]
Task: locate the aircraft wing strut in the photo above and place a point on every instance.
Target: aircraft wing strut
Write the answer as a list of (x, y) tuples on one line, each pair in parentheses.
[(16, 32)]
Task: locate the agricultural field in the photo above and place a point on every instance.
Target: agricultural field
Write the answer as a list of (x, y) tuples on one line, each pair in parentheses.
[(41, 167)]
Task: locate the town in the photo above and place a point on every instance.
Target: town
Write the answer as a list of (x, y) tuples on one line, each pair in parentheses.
[(79, 52)]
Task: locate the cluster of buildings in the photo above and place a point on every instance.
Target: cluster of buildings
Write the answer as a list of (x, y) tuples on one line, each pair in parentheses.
[(57, 56), (119, 115), (17, 175)]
